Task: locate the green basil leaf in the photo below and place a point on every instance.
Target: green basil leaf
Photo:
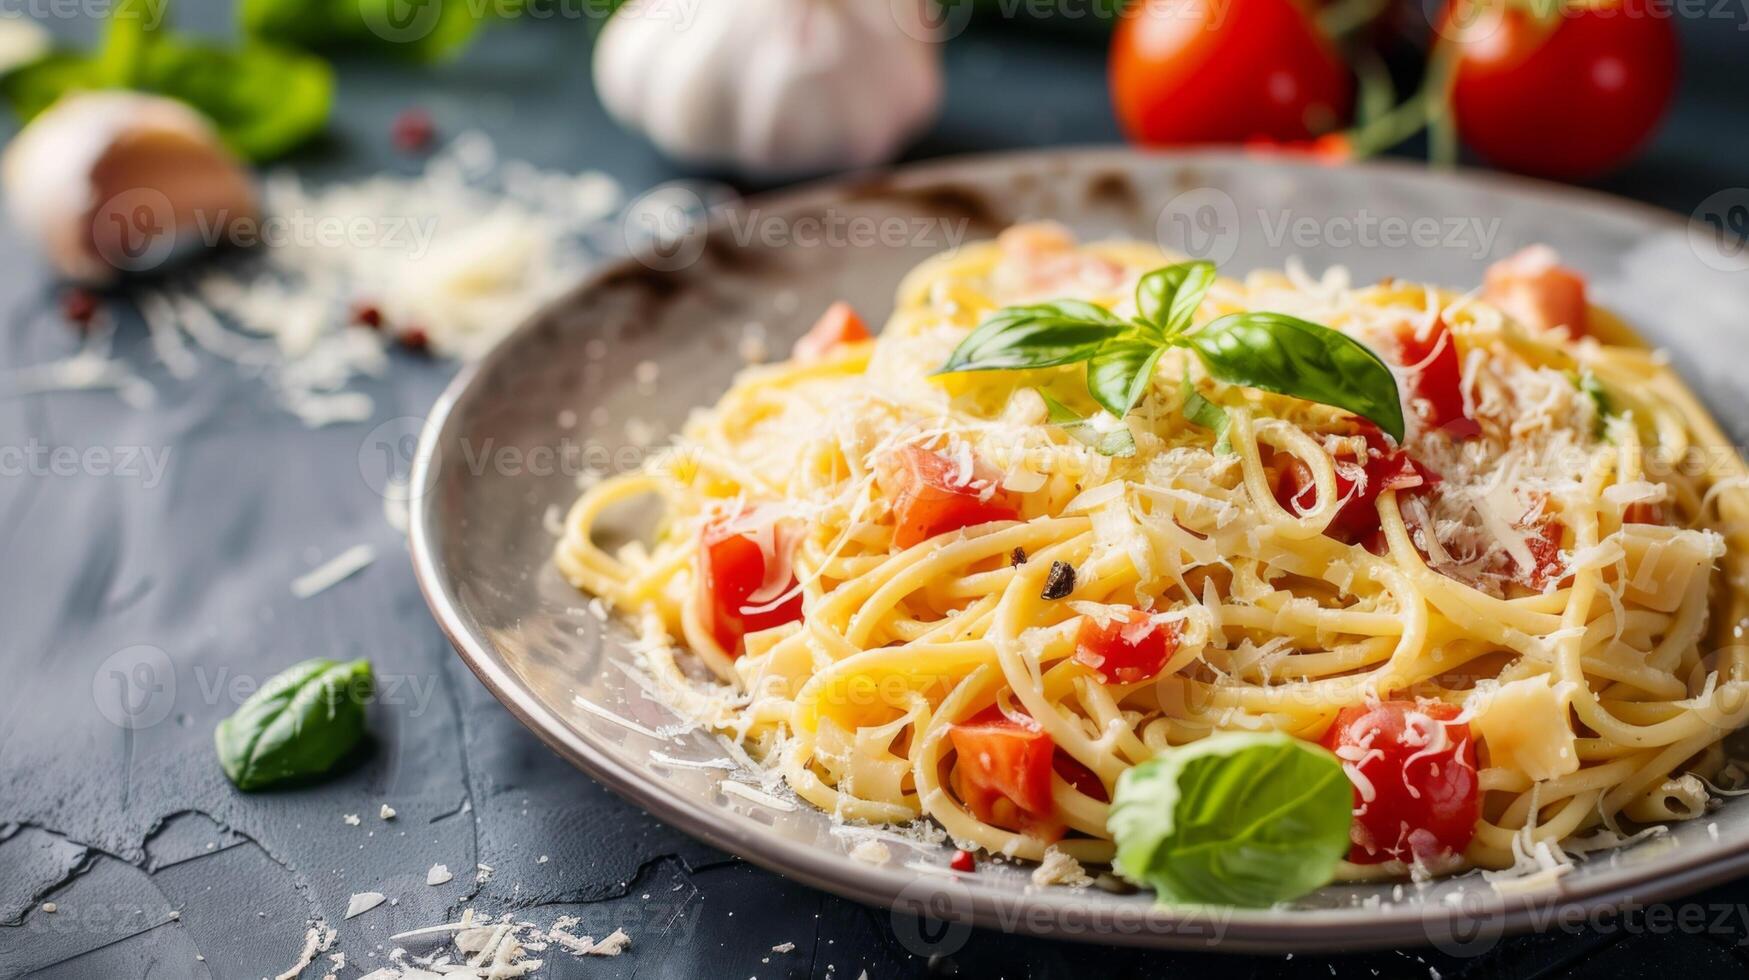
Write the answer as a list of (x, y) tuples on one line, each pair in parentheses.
[(1169, 297), (34, 87), (1289, 356), (1119, 372), (1201, 411), (1592, 388), (425, 31), (1115, 442), (1239, 818), (300, 723), (1041, 335), (264, 100)]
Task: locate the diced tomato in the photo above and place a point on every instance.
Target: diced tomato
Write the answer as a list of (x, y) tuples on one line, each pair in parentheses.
[(838, 326), (1357, 519), (1416, 795), (931, 494), (1126, 648), (1534, 288), (1436, 380), (1544, 541), (963, 861), (732, 580), (1003, 773)]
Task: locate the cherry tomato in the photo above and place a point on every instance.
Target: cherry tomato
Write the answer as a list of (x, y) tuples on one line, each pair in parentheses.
[(1224, 71), (1570, 94), (1436, 374), (1532, 287), (1357, 486), (1126, 648), (838, 326), (731, 571), (1416, 793), (1003, 773), (931, 494)]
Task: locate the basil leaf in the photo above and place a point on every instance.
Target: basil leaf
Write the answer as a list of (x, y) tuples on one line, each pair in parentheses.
[(1289, 356), (300, 723), (1119, 372), (424, 31), (1169, 297), (1239, 818), (34, 87), (264, 100), (1116, 442), (1592, 388), (1041, 335), (1201, 411)]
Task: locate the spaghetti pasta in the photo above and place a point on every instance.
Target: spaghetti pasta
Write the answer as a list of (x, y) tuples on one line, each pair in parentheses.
[(862, 553)]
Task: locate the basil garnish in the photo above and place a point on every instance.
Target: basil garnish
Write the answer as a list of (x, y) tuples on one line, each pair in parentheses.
[(1041, 335), (1239, 818), (1294, 357), (1268, 351), (300, 723), (1116, 442)]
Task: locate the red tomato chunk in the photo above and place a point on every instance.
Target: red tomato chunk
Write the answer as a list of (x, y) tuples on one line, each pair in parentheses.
[(1416, 795), (838, 326), (1126, 648), (931, 494), (1436, 380), (1534, 288), (733, 586), (1357, 486), (1003, 774)]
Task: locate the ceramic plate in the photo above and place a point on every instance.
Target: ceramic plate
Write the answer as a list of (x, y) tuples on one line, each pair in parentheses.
[(614, 367)]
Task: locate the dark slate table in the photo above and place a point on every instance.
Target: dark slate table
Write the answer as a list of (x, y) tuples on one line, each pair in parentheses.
[(159, 869)]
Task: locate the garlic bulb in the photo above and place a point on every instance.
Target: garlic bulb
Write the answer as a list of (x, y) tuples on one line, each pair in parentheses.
[(771, 88), (115, 182)]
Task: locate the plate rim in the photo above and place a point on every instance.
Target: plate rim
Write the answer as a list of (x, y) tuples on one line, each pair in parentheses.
[(1003, 908)]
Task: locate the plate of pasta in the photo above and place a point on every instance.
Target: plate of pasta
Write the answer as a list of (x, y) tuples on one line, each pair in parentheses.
[(1180, 550)]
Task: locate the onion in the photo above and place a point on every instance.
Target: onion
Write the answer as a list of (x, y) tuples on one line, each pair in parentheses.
[(117, 182)]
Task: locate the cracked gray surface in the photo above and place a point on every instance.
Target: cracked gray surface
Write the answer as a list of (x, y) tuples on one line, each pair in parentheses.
[(120, 826)]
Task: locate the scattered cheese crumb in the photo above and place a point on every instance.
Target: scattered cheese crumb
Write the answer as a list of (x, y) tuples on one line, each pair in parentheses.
[(332, 572), (871, 851), (438, 875), (351, 819), (363, 902), (51, 907), (387, 812), (1058, 868)]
